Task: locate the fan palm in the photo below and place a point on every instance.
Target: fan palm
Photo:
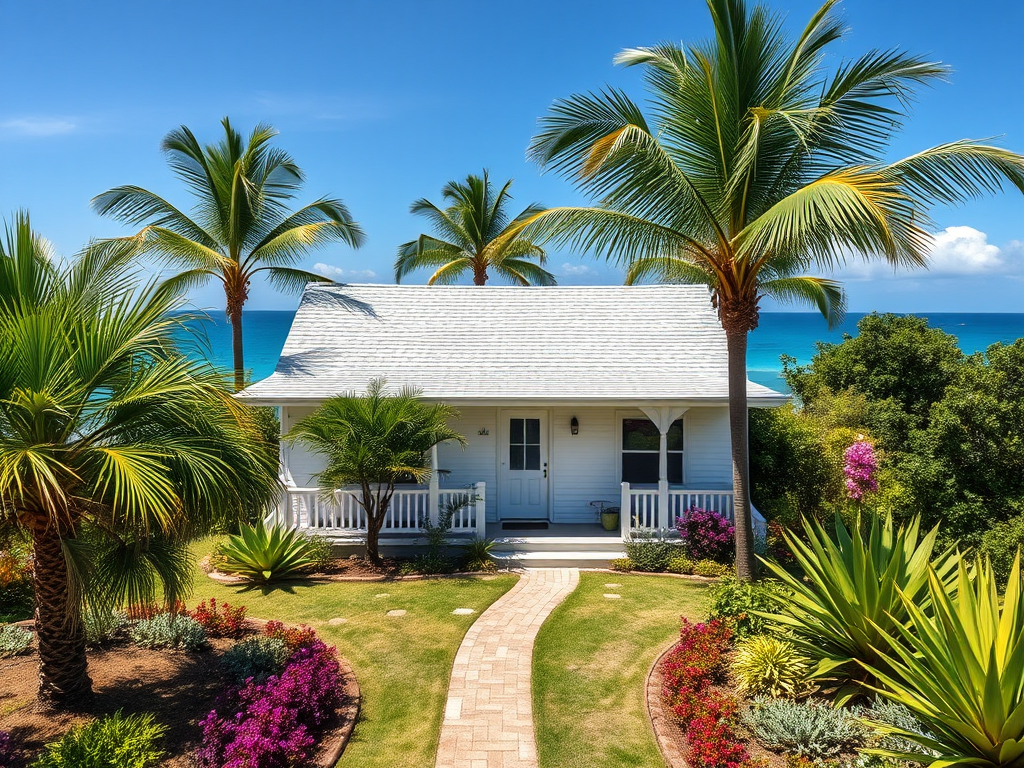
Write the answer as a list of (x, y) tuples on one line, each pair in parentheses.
[(241, 225), (759, 165), (115, 449), (374, 441), (471, 235)]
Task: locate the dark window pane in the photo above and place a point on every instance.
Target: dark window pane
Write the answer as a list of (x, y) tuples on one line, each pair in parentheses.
[(533, 457), (675, 436), (675, 468), (640, 467), (532, 431), (515, 457), (515, 431), (639, 435)]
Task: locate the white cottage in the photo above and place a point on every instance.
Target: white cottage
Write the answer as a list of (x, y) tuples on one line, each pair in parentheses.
[(571, 398)]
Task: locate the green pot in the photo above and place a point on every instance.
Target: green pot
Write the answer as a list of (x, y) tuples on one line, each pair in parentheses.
[(610, 519)]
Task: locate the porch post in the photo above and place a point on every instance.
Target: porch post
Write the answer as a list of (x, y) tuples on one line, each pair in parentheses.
[(434, 492), (625, 512), (480, 505), (663, 475)]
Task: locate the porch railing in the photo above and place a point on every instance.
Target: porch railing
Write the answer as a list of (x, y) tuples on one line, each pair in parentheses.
[(340, 512), (642, 508)]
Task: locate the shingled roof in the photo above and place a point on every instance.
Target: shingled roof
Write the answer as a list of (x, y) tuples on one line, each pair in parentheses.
[(482, 343)]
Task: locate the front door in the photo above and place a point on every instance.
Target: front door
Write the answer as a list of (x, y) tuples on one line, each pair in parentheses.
[(524, 466)]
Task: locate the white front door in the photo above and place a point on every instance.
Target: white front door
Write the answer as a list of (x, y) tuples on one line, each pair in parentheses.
[(524, 466)]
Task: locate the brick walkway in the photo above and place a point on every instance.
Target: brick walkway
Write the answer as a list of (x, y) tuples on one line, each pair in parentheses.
[(488, 718)]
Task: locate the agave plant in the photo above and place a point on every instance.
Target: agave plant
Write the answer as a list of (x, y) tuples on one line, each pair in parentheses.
[(265, 554), (854, 594), (959, 668)]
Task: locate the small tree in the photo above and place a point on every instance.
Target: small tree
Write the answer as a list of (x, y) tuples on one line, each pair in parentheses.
[(375, 441)]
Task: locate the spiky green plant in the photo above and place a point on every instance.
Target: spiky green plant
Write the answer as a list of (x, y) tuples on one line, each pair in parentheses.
[(854, 591), (263, 553), (765, 664), (113, 741), (959, 668)]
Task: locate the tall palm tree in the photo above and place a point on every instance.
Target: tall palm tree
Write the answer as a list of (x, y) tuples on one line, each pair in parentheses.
[(240, 225), (471, 235), (759, 165), (115, 449)]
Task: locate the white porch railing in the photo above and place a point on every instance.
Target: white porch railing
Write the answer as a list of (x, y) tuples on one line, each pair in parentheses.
[(641, 508), (341, 512)]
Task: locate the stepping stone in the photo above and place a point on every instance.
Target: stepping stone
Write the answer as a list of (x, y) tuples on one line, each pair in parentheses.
[(396, 612), (613, 586), (611, 596), (383, 594), (463, 611), (336, 622)]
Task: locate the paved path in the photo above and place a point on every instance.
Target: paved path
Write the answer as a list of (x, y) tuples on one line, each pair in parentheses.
[(488, 718)]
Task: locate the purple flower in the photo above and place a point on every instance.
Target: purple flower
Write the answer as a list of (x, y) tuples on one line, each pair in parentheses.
[(7, 750), (707, 534), (859, 466)]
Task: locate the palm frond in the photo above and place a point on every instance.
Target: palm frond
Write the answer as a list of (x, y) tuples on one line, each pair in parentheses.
[(827, 295), (290, 280)]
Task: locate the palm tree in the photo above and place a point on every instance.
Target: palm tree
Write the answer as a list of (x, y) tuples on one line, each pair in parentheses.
[(469, 237), (241, 225), (115, 449), (758, 166), (375, 441)]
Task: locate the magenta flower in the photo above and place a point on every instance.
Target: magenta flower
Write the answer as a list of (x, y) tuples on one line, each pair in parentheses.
[(859, 466)]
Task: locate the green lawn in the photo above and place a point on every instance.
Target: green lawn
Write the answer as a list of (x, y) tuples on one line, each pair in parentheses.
[(403, 664), (590, 666)]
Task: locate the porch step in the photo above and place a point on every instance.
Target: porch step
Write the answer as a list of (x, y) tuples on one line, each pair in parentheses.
[(557, 559), (607, 544)]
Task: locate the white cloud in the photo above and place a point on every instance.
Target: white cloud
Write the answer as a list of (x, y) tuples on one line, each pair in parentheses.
[(578, 270), (39, 127), (341, 275)]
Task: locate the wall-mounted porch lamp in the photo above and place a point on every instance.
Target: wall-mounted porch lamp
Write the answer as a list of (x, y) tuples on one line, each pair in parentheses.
[(574, 426)]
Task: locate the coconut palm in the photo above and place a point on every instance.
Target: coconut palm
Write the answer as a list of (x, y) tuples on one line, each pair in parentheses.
[(115, 449), (470, 235), (374, 441), (758, 166), (240, 225)]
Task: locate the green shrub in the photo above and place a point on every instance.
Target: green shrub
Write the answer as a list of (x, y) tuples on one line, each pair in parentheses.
[(1001, 543), (892, 715), (14, 640), (622, 564), (648, 553), (710, 568), (320, 552), (738, 601), (102, 625), (813, 730), (114, 741), (265, 554), (169, 630), (680, 564), (476, 555), (258, 658), (767, 665)]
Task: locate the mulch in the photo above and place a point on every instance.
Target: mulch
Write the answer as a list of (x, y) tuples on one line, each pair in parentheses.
[(350, 570)]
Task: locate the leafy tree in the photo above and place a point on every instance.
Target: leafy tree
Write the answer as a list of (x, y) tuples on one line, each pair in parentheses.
[(472, 235), (758, 166), (240, 225), (115, 449), (374, 441)]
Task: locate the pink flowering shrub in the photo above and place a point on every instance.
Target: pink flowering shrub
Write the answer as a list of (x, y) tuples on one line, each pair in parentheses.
[(273, 724), (8, 752), (707, 535), (859, 466)]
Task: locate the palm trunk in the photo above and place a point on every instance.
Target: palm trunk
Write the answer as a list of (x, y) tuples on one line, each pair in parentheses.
[(736, 342), (238, 358), (63, 672), (479, 274), (375, 521)]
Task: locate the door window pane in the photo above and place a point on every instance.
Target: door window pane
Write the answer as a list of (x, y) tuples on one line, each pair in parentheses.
[(516, 456), (533, 457), (516, 431), (524, 444), (532, 431)]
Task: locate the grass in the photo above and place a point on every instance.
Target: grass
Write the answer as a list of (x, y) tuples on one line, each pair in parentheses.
[(403, 663), (590, 665)]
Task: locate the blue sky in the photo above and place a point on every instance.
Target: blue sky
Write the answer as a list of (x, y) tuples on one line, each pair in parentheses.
[(381, 103)]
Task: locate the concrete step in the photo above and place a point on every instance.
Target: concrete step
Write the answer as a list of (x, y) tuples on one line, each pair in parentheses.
[(556, 558), (512, 543)]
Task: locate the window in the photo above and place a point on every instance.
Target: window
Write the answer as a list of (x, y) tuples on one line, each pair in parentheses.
[(641, 445), (523, 444)]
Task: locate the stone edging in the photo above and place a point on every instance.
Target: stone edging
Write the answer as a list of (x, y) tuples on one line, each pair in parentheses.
[(670, 752), (327, 578)]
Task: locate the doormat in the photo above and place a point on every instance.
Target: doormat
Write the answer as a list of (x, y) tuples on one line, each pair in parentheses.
[(525, 525)]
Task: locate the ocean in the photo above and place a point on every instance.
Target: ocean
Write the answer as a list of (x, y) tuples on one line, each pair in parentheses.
[(789, 333)]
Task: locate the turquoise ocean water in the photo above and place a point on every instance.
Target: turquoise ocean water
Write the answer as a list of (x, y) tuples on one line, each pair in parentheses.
[(790, 333)]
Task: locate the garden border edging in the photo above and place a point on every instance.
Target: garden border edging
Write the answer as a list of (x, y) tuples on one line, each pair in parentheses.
[(670, 752)]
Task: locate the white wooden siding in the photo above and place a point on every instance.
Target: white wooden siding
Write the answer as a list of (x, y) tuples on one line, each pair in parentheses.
[(584, 467), (707, 448), (478, 462), (302, 462)]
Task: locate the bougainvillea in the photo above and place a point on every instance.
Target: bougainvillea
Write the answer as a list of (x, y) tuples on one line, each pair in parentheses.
[(707, 535), (860, 466), (222, 621)]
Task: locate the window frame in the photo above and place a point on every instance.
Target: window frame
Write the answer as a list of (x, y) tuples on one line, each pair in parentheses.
[(620, 419)]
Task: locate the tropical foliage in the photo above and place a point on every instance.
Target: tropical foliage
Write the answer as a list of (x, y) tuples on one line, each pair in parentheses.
[(114, 741), (771, 666), (374, 441), (855, 591), (115, 449), (474, 234), (758, 167), (241, 226), (266, 553)]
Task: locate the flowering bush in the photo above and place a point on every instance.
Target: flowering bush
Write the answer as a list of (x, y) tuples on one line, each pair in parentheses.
[(707, 535), (16, 594), (224, 621), (860, 466), (271, 724), (8, 752), (689, 672)]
